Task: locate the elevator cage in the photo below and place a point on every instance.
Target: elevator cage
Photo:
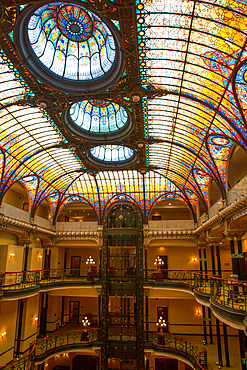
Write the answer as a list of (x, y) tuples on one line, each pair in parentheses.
[(122, 331)]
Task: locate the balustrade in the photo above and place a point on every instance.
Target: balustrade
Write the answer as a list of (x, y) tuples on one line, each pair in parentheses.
[(227, 292), (42, 348)]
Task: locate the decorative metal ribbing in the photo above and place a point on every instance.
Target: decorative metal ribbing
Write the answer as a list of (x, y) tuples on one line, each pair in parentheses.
[(122, 332)]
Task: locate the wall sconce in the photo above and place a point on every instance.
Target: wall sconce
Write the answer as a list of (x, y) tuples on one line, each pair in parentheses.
[(3, 335), (11, 255), (40, 257), (36, 318), (198, 312), (194, 259)]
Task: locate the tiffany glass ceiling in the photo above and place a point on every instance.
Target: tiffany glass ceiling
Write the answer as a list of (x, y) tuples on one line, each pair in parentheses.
[(175, 70)]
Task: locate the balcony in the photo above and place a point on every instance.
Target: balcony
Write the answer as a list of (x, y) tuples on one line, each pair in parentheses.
[(42, 349)]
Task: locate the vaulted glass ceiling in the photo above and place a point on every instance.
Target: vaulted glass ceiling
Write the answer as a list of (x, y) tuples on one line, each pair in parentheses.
[(186, 88)]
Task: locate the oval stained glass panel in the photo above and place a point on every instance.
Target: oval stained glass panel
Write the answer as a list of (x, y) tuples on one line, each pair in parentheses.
[(98, 116), (71, 41), (112, 153)]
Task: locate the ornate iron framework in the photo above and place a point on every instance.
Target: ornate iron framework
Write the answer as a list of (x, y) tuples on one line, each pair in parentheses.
[(122, 332)]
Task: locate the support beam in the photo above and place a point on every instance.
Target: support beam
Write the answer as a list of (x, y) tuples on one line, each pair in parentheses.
[(205, 262), (213, 259), (226, 345), (220, 362), (241, 346), (218, 260), (210, 326), (204, 326), (232, 248)]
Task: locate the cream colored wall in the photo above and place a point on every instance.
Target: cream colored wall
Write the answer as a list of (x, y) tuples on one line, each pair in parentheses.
[(54, 313), (179, 258), (8, 317), (29, 324), (8, 238), (181, 314), (86, 305), (57, 257), (15, 199), (43, 211), (35, 262), (10, 263), (84, 253), (14, 263)]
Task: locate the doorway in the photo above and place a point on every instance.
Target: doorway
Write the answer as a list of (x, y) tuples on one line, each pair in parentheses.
[(74, 312), (84, 362), (165, 363), (75, 265), (162, 314)]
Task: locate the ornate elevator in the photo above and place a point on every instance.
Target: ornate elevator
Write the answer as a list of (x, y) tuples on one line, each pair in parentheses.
[(122, 332)]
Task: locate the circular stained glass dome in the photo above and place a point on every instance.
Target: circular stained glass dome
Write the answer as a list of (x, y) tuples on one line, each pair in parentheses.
[(112, 155), (98, 120), (70, 47)]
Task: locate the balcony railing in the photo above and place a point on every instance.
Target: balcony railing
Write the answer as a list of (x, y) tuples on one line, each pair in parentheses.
[(227, 292), (28, 279), (52, 344), (176, 344)]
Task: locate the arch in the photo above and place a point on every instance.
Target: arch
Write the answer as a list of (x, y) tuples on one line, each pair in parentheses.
[(73, 198), (17, 195), (118, 198), (44, 209), (214, 193), (236, 166)]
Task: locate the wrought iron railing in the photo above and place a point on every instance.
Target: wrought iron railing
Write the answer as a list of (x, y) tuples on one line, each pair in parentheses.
[(52, 344), (229, 292), (28, 279), (179, 345), (202, 283), (176, 276), (26, 362)]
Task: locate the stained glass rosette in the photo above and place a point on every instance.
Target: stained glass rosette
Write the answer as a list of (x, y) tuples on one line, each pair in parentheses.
[(98, 119), (70, 43), (112, 155)]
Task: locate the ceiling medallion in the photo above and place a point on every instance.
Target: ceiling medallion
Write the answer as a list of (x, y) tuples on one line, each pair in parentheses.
[(69, 47), (74, 23)]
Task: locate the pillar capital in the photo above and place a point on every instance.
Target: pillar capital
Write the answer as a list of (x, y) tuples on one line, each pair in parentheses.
[(202, 244), (234, 233), (213, 240)]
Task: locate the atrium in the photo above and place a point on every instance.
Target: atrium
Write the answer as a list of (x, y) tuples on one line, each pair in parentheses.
[(123, 191)]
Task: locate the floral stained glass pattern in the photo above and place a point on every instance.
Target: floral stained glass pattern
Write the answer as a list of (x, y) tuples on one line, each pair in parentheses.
[(98, 116), (71, 42), (111, 153)]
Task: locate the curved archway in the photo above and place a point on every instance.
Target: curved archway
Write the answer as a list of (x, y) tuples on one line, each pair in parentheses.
[(236, 166), (77, 212), (214, 193), (17, 196), (44, 210), (170, 209)]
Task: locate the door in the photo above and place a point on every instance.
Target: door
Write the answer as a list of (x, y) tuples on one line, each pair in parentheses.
[(166, 364), (164, 267), (84, 362), (162, 317), (75, 265), (74, 312)]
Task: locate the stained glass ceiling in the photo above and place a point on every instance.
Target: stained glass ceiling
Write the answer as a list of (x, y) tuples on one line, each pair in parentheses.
[(184, 85)]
